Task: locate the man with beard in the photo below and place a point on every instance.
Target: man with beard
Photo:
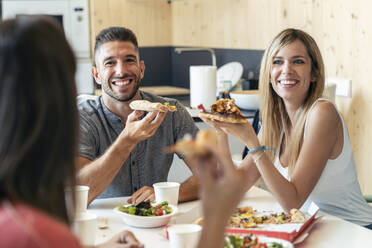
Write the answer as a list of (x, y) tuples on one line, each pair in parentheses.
[(122, 151)]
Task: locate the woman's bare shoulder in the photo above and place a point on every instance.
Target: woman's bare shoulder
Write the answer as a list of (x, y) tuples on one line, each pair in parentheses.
[(324, 114)]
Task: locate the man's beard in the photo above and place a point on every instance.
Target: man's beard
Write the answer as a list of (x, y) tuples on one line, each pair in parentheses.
[(108, 91)]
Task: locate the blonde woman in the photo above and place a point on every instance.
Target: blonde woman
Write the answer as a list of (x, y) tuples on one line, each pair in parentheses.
[(314, 159)]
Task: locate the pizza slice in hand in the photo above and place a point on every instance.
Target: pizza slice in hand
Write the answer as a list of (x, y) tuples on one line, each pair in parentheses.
[(188, 146), (224, 110)]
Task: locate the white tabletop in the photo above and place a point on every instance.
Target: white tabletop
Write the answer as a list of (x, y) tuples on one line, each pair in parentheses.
[(329, 232)]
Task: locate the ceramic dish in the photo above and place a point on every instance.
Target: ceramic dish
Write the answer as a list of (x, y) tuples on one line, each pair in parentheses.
[(246, 99), (146, 221)]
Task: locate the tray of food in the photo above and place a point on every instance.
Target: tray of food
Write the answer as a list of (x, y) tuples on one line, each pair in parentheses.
[(277, 224)]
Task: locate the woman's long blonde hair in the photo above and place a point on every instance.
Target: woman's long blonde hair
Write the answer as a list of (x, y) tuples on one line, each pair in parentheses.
[(273, 113)]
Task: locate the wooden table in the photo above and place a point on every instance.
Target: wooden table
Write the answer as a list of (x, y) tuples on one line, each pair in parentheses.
[(329, 232)]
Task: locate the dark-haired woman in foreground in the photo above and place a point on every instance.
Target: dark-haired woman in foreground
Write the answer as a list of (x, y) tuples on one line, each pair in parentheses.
[(38, 120)]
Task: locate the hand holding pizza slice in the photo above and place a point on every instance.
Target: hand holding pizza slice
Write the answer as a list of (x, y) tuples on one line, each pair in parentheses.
[(195, 147)]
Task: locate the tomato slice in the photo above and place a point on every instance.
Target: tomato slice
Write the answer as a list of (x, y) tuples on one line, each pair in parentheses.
[(201, 107), (158, 212)]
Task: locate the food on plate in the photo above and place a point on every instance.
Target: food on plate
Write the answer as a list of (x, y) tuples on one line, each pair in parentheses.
[(297, 216), (224, 110), (188, 146), (248, 218), (248, 241), (145, 105), (147, 209)]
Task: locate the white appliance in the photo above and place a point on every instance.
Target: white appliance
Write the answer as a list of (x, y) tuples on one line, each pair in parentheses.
[(74, 17)]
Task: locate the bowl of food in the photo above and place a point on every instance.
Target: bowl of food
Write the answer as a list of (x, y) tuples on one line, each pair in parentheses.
[(147, 214), (250, 240), (246, 99)]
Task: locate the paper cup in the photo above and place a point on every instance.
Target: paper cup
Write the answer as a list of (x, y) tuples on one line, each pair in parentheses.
[(81, 198), (184, 235), (167, 191), (84, 227)]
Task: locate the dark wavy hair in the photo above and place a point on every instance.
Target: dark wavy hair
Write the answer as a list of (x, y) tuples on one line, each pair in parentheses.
[(115, 34), (38, 114)]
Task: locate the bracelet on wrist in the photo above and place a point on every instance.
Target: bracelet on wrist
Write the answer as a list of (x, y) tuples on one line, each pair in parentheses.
[(264, 148)]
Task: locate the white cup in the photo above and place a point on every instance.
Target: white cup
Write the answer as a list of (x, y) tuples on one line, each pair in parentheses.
[(81, 197), (167, 191), (184, 235), (84, 227)]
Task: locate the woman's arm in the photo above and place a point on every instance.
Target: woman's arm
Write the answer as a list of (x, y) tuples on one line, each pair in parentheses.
[(323, 131), (323, 134)]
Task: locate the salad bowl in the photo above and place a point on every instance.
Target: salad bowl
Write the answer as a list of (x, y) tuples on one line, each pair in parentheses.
[(146, 221)]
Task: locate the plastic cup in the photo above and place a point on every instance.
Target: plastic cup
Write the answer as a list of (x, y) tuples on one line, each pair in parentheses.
[(84, 227), (184, 235), (167, 191)]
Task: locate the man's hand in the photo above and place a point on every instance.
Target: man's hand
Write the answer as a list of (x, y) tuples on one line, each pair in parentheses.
[(143, 194), (137, 130), (124, 239)]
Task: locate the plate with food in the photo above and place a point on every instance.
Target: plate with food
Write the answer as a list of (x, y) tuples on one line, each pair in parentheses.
[(223, 110), (275, 224), (247, 217), (253, 241), (146, 214)]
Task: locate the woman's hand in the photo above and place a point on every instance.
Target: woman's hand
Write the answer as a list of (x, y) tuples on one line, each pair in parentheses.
[(124, 239), (222, 186), (242, 131)]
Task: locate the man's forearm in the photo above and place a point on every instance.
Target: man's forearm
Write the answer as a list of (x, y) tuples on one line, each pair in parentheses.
[(99, 173), (189, 189)]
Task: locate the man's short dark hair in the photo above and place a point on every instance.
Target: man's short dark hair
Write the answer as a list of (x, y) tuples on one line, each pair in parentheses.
[(115, 34)]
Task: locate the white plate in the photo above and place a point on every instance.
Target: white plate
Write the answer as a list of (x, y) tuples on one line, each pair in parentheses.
[(232, 71), (146, 221)]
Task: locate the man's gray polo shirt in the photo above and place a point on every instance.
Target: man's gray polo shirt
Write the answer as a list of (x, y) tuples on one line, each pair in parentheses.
[(147, 163)]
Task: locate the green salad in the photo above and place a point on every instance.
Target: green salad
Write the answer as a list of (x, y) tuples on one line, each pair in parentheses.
[(248, 241), (147, 209)]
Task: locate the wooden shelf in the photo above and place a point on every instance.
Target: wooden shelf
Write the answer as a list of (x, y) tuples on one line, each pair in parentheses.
[(166, 90), (160, 90)]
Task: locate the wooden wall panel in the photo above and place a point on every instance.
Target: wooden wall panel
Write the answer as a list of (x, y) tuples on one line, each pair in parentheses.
[(339, 26), (150, 20)]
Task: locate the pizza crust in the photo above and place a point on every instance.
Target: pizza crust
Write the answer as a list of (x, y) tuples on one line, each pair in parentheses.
[(230, 118), (148, 106)]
